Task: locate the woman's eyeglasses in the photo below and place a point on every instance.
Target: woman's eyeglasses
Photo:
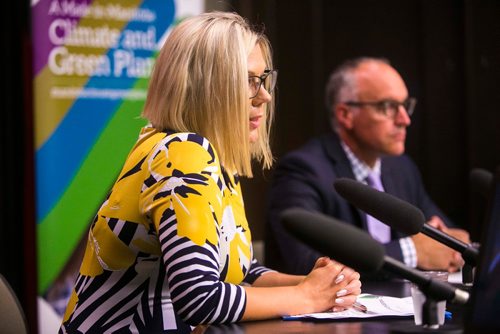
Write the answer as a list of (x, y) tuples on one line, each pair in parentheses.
[(268, 79)]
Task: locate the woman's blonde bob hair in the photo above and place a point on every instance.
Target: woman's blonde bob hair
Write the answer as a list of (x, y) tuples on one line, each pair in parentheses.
[(200, 84)]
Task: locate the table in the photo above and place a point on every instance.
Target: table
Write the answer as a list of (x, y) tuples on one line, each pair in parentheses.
[(396, 288)]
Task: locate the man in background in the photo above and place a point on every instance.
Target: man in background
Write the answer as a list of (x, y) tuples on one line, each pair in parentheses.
[(369, 108)]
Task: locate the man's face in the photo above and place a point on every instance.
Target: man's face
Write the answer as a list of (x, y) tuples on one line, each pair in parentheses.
[(373, 132)]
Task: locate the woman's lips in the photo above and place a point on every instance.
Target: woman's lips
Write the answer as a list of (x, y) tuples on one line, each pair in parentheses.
[(255, 122)]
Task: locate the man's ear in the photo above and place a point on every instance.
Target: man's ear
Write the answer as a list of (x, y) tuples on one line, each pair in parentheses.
[(344, 115)]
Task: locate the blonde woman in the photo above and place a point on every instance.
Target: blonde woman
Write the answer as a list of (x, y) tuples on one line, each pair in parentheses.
[(170, 247)]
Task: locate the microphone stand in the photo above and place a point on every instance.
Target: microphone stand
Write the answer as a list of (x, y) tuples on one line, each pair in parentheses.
[(430, 321), (467, 274), (433, 292), (430, 313), (470, 254), (430, 308)]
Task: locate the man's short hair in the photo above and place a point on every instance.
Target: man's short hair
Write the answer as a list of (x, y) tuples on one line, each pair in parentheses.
[(341, 84)]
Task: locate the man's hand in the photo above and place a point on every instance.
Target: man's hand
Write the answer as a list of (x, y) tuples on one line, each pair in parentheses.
[(432, 255)]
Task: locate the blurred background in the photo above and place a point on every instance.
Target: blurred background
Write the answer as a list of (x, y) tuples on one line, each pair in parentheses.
[(448, 52)]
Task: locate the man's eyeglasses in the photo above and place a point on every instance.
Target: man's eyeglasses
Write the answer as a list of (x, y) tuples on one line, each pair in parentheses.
[(389, 108), (268, 79)]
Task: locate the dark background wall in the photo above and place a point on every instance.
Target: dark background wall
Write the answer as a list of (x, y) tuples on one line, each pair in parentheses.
[(17, 224), (447, 51)]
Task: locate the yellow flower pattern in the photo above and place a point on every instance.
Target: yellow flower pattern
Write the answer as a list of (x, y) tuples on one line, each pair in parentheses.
[(205, 200)]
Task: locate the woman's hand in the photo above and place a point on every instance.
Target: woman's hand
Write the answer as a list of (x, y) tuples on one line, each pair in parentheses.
[(329, 286), (347, 296)]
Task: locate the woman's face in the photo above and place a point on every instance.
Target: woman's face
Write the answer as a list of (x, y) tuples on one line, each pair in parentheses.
[(256, 67)]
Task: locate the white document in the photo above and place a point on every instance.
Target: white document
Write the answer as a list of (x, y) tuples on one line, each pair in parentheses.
[(377, 306)]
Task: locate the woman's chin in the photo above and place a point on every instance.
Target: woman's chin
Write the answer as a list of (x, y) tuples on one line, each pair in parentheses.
[(254, 136)]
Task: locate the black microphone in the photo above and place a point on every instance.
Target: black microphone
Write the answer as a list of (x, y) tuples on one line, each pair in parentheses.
[(481, 181), (357, 249), (400, 215)]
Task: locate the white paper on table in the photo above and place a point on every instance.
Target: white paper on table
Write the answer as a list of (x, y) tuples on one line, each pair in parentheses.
[(378, 306)]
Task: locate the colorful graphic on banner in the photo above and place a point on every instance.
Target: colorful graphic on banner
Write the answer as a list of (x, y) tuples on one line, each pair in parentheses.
[(92, 61)]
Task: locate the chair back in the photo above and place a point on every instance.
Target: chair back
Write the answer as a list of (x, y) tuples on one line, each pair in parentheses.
[(12, 317)]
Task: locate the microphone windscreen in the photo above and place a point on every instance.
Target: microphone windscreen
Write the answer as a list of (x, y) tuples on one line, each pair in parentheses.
[(390, 210), (481, 181), (340, 241)]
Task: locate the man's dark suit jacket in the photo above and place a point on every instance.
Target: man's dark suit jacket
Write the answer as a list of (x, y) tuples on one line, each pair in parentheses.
[(304, 178)]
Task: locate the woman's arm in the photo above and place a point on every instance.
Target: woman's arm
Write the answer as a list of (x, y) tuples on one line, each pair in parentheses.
[(275, 279), (329, 285)]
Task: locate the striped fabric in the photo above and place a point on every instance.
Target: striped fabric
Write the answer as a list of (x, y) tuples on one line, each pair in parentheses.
[(169, 248)]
